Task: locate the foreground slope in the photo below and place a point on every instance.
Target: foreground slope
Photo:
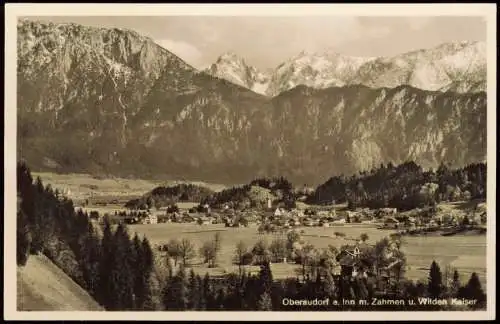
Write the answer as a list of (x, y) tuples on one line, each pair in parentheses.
[(42, 286)]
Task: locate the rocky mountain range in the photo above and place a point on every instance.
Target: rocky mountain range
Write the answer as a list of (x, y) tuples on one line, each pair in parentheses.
[(233, 68), (111, 101), (458, 66)]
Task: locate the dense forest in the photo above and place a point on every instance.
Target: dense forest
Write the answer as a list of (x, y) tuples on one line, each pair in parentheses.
[(255, 194), (406, 186), (113, 267), (168, 195), (118, 270)]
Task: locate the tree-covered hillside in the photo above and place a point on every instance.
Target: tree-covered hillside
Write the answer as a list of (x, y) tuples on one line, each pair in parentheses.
[(113, 267), (405, 186), (167, 195)]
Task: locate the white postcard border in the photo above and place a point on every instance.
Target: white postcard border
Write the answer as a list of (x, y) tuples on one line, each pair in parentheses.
[(13, 11)]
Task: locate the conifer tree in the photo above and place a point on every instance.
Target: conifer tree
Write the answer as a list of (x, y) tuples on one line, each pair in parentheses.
[(122, 273), (90, 256), (220, 300), (183, 292), (318, 287), (329, 285), (207, 302), (193, 291), (233, 297), (38, 216), (138, 272), (145, 301), (474, 291), (455, 284), (292, 287), (265, 302), (202, 302), (176, 295), (242, 289), (26, 191), (147, 254), (165, 293), (105, 294), (265, 280), (435, 283), (23, 235)]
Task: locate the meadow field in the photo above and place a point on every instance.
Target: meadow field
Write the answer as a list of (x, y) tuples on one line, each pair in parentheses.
[(467, 254), (85, 186)]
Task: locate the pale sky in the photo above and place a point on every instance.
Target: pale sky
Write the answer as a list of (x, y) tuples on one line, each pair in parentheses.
[(265, 42)]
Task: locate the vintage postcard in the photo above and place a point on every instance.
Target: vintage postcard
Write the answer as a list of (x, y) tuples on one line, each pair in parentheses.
[(250, 162)]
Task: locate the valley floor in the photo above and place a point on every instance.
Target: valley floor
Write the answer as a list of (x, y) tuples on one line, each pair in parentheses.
[(467, 254)]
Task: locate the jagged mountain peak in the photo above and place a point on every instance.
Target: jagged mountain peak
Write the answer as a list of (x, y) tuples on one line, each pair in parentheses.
[(455, 66), (233, 68), (70, 28), (314, 69), (229, 56), (106, 101), (457, 45), (327, 52), (458, 66), (117, 46)]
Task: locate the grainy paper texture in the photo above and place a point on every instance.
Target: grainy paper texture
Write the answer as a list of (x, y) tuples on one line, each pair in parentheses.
[(231, 162)]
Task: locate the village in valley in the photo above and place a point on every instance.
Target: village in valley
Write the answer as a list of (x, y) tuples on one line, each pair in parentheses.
[(266, 215), (275, 217), (218, 233)]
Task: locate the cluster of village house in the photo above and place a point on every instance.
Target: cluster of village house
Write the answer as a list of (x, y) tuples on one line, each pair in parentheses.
[(279, 216), (386, 217)]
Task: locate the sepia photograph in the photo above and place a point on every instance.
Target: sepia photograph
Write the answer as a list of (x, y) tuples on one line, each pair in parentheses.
[(265, 159)]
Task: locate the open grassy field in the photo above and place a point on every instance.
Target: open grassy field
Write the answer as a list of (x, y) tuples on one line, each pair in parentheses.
[(85, 186), (198, 234), (465, 253)]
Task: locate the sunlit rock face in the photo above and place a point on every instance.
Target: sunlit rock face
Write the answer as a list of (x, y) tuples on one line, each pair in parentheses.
[(113, 101)]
